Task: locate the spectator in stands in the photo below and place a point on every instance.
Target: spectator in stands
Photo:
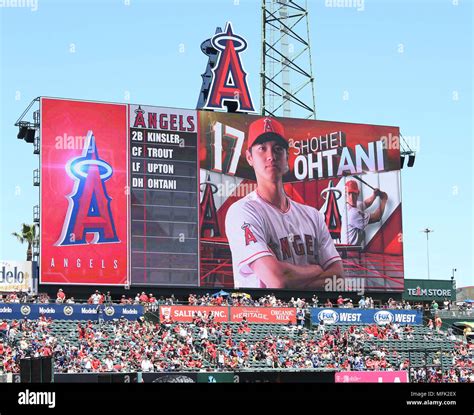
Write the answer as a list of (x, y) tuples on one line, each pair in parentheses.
[(4, 328), (146, 364), (438, 323), (60, 296), (321, 328), (95, 298), (300, 317), (109, 363), (143, 298), (152, 301), (430, 324), (100, 313), (108, 298)]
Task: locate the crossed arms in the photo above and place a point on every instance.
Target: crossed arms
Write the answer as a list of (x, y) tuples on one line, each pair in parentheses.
[(278, 274)]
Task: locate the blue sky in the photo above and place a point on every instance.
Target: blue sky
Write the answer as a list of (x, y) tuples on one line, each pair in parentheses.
[(405, 62)]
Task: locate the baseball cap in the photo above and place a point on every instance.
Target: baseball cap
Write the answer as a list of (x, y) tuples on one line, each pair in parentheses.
[(351, 186), (266, 129)]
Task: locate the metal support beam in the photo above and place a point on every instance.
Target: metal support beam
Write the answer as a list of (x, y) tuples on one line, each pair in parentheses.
[(287, 80)]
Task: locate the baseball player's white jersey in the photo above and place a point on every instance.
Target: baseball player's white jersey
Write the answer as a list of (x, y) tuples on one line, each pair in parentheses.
[(256, 228), (354, 223)]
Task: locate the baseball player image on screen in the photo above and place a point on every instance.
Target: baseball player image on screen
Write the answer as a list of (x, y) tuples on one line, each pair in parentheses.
[(276, 242), (356, 218)]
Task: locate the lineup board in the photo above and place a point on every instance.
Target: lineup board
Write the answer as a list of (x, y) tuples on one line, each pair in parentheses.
[(164, 192)]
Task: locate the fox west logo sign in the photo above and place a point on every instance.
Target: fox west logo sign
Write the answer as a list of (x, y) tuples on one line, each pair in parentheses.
[(229, 79), (89, 209)]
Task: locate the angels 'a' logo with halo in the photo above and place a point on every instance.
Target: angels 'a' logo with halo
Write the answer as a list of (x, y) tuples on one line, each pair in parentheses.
[(89, 210), (229, 79)]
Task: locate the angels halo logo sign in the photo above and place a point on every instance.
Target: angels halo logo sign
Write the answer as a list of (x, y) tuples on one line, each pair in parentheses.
[(84, 199), (89, 204), (229, 79)]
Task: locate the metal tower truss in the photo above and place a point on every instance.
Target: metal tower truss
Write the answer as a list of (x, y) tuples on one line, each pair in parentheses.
[(286, 74), (29, 131)]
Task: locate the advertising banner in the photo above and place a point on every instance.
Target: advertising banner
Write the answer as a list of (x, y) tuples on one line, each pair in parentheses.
[(376, 376), (84, 194), (281, 376), (216, 377), (263, 315), (16, 276), (361, 316), (177, 377), (429, 290), (69, 311), (183, 313), (224, 314), (338, 185)]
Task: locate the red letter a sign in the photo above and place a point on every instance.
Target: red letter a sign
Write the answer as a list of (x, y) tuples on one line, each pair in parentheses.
[(229, 78)]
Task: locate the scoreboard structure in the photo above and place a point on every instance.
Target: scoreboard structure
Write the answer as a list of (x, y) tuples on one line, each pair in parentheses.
[(138, 195)]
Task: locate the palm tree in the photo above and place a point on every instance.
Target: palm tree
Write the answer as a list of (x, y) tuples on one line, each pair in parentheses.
[(28, 234)]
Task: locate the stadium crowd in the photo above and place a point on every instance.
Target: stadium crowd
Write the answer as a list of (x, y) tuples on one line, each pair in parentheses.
[(128, 346)]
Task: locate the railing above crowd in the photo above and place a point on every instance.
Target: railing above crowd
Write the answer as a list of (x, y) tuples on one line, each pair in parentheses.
[(239, 299)]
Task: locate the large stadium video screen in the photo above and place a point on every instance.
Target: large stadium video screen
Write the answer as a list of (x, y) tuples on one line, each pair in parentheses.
[(156, 196), (347, 176)]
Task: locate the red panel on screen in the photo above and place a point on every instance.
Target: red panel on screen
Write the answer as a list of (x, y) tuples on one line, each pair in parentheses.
[(84, 197)]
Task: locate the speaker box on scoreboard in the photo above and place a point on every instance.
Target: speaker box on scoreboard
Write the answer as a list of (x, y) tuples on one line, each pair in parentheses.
[(36, 370)]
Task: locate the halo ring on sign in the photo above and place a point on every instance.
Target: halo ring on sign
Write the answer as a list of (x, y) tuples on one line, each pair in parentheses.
[(239, 42), (214, 187), (76, 168), (331, 189)]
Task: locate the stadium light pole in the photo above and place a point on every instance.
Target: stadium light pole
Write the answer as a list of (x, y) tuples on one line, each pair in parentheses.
[(452, 278), (428, 231)]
